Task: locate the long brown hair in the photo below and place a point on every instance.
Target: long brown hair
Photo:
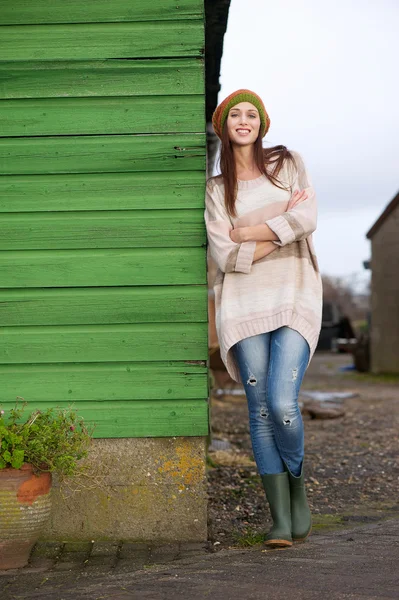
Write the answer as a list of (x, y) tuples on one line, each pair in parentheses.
[(264, 158)]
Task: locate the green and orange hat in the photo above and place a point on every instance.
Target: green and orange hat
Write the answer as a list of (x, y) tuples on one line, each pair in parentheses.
[(220, 115)]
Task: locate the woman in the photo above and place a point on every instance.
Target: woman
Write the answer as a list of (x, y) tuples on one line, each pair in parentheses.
[(260, 214)]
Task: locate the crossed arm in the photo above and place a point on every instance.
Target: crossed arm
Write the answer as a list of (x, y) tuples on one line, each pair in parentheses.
[(262, 234), (235, 249)]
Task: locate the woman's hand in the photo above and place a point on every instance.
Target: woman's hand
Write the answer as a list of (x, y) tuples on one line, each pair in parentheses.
[(239, 235), (296, 198)]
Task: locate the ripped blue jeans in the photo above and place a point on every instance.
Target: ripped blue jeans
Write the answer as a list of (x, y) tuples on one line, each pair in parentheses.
[(272, 366)]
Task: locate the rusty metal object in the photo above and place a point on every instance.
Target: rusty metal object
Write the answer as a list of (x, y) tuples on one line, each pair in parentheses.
[(25, 504)]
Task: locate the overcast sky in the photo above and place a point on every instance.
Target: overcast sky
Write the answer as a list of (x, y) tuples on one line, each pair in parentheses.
[(328, 75)]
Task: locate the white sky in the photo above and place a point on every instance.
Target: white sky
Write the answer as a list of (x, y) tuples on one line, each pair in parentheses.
[(329, 77)]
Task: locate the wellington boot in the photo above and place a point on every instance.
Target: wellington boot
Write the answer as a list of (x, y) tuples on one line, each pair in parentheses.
[(301, 518), (277, 490)]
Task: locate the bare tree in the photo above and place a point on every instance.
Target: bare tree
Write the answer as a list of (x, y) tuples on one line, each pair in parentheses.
[(352, 299)]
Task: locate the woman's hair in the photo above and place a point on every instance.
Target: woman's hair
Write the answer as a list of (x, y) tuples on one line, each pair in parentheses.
[(264, 157)]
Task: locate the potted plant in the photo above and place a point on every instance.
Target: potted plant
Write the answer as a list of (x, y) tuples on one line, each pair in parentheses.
[(32, 447)]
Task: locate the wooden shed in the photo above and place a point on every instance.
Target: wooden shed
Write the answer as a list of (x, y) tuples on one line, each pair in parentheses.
[(384, 236), (103, 299)]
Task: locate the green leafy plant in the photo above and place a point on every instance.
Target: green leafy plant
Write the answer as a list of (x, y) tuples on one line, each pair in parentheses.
[(53, 440)]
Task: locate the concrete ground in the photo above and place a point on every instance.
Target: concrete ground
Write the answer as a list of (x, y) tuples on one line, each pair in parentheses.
[(359, 563)]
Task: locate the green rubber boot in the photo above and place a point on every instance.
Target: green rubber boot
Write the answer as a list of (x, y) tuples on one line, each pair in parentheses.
[(277, 490), (301, 518)]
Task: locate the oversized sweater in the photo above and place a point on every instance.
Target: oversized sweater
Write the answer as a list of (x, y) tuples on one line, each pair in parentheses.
[(281, 289)]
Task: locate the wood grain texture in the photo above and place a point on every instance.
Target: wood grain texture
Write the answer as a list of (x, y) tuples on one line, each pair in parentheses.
[(96, 11), (101, 78), (104, 343), (79, 306), (103, 381), (102, 191), (148, 39), (103, 285), (103, 229), (96, 154), (87, 268), (88, 116), (115, 419)]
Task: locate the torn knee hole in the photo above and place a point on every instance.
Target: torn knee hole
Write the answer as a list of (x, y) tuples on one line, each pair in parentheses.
[(252, 380), (294, 374), (286, 421), (263, 412)]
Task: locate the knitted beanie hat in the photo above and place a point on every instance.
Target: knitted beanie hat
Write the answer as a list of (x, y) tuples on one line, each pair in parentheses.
[(220, 115)]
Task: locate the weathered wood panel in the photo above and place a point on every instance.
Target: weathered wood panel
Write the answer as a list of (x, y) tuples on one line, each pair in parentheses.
[(102, 164), (154, 39), (103, 229), (112, 153), (75, 306), (141, 418), (88, 116), (104, 343), (102, 191), (96, 11), (103, 381), (59, 268), (101, 78)]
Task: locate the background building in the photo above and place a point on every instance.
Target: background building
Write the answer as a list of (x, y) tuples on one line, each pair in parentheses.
[(384, 264)]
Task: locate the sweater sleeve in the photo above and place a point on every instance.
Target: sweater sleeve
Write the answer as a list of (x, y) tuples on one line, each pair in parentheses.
[(228, 255), (299, 222)]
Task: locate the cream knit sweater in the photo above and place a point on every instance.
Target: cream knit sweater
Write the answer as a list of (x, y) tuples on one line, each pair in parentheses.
[(281, 289)]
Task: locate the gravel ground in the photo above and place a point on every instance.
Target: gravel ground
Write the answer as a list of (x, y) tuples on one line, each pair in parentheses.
[(351, 462)]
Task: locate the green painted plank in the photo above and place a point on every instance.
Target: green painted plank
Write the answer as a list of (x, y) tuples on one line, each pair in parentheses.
[(87, 268), (110, 153), (104, 343), (103, 381), (76, 11), (88, 116), (75, 306), (103, 229), (112, 77), (148, 39), (139, 418), (102, 191)]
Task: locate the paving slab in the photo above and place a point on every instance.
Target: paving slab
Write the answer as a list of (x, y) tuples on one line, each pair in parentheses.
[(104, 549), (358, 563)]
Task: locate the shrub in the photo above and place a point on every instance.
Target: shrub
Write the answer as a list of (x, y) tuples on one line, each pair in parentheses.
[(53, 440)]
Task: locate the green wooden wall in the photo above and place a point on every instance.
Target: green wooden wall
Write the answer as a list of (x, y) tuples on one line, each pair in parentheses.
[(103, 299)]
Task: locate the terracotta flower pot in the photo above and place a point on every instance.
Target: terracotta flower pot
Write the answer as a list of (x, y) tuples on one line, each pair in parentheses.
[(25, 503)]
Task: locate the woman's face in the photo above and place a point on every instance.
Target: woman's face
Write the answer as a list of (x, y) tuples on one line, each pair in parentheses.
[(243, 124)]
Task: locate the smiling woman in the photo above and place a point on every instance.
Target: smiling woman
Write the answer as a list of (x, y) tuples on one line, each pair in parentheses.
[(260, 214), (240, 112)]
